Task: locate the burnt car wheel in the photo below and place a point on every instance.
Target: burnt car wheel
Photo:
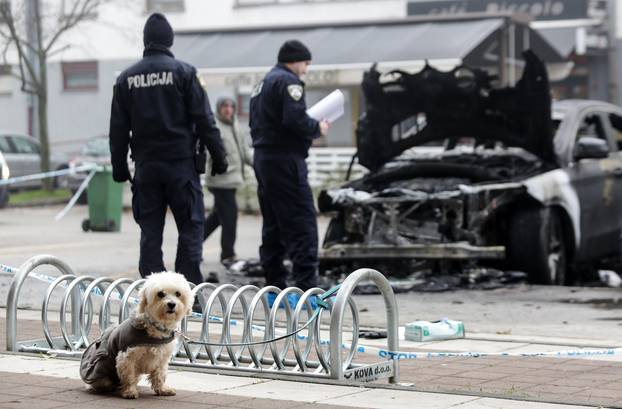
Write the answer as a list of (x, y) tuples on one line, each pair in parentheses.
[(536, 245)]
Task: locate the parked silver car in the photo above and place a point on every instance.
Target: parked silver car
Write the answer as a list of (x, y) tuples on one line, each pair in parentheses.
[(4, 174), (22, 155)]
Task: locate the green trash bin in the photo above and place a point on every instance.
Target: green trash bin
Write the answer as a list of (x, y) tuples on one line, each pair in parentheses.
[(105, 200)]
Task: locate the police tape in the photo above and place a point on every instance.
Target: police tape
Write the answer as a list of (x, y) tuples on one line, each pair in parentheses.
[(11, 271), (44, 175), (381, 352), (406, 355)]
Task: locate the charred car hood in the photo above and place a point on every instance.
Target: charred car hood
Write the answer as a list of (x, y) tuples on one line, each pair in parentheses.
[(456, 104)]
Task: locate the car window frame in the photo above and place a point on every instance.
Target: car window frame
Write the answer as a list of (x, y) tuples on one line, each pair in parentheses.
[(35, 150), (12, 148), (604, 121)]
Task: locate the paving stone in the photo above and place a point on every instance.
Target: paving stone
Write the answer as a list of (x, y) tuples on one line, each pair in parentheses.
[(535, 379), (610, 370), (30, 391), (484, 375), (457, 381), (267, 404), (26, 379), (214, 399), (31, 403), (616, 386), (573, 381), (544, 388), (73, 396), (600, 393), (325, 406), (506, 369), (440, 371), (504, 386), (599, 376), (63, 383)]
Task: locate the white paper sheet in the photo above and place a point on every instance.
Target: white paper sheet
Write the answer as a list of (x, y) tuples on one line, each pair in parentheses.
[(330, 107)]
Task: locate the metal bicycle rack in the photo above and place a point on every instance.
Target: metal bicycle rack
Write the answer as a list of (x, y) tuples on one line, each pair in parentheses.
[(303, 355)]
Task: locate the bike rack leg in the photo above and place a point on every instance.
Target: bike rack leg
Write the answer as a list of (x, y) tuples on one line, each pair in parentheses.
[(339, 308)]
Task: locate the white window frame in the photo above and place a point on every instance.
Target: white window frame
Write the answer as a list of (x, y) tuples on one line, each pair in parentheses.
[(165, 6)]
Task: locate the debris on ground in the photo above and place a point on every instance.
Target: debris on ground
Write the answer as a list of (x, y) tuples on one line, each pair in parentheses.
[(434, 331), (610, 278), (372, 334), (426, 280)]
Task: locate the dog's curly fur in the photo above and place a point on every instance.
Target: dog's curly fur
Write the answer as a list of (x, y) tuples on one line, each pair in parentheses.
[(165, 299)]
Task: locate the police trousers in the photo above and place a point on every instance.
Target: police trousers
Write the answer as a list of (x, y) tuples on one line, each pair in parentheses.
[(225, 214), (159, 185), (289, 219)]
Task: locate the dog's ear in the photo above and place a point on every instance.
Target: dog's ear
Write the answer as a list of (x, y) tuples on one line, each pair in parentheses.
[(143, 295)]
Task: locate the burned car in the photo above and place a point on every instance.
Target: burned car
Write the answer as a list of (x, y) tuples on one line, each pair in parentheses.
[(464, 173)]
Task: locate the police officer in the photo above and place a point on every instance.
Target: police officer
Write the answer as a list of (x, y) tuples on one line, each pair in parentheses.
[(159, 109), (282, 133)]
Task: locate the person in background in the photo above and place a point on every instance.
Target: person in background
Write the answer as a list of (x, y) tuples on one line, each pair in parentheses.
[(224, 187)]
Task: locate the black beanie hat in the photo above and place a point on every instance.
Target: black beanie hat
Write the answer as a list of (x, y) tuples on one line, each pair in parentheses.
[(293, 51), (158, 31)]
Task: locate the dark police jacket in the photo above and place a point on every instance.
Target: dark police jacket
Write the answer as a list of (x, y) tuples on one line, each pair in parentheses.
[(161, 102), (278, 118)]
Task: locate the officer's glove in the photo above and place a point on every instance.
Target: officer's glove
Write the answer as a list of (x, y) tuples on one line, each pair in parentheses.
[(219, 166), (121, 173)]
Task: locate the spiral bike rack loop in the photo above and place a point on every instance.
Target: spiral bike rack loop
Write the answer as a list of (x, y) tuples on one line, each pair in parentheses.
[(234, 333)]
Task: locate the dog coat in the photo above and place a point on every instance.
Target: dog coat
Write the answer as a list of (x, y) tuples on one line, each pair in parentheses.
[(99, 360)]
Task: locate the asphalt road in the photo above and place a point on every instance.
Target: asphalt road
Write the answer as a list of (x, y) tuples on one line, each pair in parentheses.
[(521, 310)]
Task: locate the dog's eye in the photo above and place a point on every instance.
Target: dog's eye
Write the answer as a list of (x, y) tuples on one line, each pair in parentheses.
[(161, 294), (177, 294)]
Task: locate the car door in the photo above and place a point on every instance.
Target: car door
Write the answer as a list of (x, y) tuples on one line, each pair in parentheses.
[(613, 127), (11, 157), (595, 183), (29, 157)]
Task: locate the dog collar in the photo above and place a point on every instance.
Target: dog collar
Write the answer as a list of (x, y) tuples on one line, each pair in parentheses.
[(158, 326)]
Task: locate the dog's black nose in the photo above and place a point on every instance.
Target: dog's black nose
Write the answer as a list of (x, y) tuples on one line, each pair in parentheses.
[(171, 305)]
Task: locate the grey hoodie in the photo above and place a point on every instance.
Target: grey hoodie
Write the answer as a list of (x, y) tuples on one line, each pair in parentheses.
[(237, 148)]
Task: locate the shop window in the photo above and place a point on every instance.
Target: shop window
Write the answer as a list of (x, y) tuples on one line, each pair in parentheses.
[(6, 80), (80, 76), (244, 105), (165, 6)]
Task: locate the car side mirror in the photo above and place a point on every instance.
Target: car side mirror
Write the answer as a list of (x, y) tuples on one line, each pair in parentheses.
[(589, 147)]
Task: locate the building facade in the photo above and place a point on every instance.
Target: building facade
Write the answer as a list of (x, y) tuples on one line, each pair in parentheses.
[(88, 58)]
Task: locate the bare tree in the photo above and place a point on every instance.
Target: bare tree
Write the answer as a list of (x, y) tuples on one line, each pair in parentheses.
[(31, 29)]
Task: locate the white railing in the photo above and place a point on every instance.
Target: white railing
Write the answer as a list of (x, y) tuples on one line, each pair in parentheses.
[(328, 166)]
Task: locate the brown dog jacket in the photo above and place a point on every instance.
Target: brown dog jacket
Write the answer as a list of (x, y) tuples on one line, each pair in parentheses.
[(100, 357)]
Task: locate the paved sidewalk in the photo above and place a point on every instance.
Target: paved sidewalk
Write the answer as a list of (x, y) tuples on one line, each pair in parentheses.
[(44, 383), (551, 380)]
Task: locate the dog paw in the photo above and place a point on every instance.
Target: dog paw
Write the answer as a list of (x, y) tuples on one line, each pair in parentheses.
[(130, 393), (166, 391)]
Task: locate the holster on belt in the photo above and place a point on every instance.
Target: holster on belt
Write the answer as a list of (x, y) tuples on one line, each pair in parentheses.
[(200, 158)]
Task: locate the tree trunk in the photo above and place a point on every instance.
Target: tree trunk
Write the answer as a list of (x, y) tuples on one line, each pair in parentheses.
[(42, 97), (42, 108)]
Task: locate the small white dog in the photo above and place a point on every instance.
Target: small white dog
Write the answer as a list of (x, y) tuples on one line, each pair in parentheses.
[(142, 344)]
